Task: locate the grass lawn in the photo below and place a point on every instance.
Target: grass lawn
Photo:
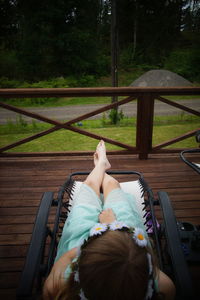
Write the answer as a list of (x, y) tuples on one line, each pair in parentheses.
[(55, 102), (64, 140)]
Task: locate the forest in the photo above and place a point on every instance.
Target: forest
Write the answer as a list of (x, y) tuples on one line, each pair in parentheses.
[(72, 38)]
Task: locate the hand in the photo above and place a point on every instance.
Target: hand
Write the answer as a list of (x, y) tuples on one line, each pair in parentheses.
[(107, 216), (56, 278), (53, 282)]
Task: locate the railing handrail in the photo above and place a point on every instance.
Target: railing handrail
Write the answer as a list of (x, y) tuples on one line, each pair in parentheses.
[(93, 91), (146, 97)]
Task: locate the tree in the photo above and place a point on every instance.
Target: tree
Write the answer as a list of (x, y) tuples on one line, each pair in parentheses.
[(57, 38), (49, 38), (150, 26)]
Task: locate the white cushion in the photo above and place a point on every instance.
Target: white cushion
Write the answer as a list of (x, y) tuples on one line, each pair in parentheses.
[(133, 188)]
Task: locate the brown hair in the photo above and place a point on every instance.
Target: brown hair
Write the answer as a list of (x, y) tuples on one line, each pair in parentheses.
[(111, 266)]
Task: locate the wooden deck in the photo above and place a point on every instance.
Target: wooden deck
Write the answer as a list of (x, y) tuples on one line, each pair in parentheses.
[(24, 179)]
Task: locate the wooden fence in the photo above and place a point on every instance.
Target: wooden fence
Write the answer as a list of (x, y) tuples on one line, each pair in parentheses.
[(145, 114)]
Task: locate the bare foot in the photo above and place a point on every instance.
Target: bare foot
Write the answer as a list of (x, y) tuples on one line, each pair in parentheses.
[(95, 158), (100, 155)]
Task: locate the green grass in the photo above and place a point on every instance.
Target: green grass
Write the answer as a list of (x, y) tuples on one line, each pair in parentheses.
[(63, 140), (55, 102)]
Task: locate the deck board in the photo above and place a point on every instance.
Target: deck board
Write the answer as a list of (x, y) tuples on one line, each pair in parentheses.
[(24, 179)]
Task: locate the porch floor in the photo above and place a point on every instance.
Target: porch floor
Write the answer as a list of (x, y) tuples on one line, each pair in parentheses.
[(24, 179)]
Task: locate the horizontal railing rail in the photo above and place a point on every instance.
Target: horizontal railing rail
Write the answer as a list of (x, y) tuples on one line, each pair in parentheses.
[(145, 113), (97, 92)]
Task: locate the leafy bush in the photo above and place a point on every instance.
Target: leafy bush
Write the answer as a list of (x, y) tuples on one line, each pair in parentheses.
[(115, 116), (86, 81), (8, 83)]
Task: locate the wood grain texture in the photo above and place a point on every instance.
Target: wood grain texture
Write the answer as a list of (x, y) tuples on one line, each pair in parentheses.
[(23, 180)]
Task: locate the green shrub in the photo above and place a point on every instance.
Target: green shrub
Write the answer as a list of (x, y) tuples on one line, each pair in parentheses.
[(9, 83), (86, 81), (115, 116)]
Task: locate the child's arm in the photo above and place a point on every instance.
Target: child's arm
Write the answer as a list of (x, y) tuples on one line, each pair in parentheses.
[(107, 216), (56, 276), (166, 286)]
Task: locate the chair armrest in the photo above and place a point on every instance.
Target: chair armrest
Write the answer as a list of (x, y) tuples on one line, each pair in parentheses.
[(194, 166), (36, 247), (180, 268)]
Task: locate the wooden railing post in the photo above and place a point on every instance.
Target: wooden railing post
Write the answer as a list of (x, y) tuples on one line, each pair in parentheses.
[(145, 114)]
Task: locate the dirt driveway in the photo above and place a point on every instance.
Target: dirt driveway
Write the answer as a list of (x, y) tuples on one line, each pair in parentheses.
[(70, 112)]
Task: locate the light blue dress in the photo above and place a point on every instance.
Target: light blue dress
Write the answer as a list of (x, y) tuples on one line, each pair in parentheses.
[(85, 212)]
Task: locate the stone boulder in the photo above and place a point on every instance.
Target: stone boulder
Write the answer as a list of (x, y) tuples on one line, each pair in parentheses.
[(160, 78)]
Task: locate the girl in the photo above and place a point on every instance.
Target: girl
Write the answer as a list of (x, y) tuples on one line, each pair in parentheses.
[(104, 252)]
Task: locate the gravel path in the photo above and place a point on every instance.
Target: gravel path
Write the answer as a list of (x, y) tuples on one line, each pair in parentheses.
[(70, 112)]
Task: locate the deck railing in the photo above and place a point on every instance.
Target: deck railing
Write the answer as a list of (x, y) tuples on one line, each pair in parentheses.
[(145, 113)]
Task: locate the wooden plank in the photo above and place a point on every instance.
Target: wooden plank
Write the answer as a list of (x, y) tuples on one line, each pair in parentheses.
[(57, 127), (175, 140), (185, 197), (178, 105), (16, 228), (187, 204), (14, 251), (92, 92), (36, 182), (62, 175), (28, 197), (8, 293), (145, 113), (11, 264), (9, 280), (23, 181), (184, 213), (71, 154), (15, 239), (193, 220), (28, 189), (13, 202), (179, 184), (23, 219)]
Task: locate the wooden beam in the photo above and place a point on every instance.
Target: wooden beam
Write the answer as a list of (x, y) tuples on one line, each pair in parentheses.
[(145, 112), (65, 125), (96, 92), (175, 104), (175, 140), (66, 153)]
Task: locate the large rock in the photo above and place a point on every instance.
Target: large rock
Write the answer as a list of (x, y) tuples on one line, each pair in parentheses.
[(160, 78)]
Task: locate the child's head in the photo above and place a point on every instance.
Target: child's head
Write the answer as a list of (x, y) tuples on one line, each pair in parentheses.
[(114, 267), (111, 266)]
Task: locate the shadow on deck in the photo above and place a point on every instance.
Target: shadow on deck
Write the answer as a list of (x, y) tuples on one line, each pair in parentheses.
[(23, 181)]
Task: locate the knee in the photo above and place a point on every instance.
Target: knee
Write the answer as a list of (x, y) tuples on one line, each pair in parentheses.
[(111, 183), (89, 182)]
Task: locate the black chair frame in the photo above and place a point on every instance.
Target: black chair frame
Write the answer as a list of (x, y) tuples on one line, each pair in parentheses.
[(38, 263)]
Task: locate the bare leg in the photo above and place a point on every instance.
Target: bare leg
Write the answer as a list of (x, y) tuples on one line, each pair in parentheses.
[(109, 183), (95, 178)]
